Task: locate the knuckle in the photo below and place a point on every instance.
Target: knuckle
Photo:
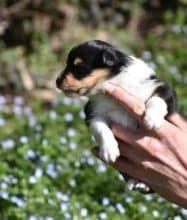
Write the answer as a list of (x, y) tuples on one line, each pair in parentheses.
[(174, 136), (147, 165), (138, 109), (151, 146), (146, 141)]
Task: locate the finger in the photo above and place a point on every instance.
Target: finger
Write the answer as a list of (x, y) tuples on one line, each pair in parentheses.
[(149, 174), (165, 130), (178, 120), (157, 182), (122, 164), (137, 167), (168, 193), (140, 137), (137, 170), (126, 134), (134, 153), (133, 104)]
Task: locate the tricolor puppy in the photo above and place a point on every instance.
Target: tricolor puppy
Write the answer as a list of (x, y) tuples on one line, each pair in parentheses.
[(89, 66)]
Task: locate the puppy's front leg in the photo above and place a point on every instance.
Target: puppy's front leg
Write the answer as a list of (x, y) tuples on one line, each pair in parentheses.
[(103, 135), (156, 110)]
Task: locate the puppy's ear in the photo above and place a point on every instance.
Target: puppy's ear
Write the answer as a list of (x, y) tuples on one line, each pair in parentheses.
[(109, 58)]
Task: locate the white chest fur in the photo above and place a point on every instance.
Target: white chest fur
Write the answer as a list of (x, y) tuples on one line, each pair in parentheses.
[(107, 108)]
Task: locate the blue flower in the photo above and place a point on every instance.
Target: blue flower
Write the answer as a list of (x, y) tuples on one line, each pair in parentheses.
[(120, 208), (18, 201), (82, 115), (18, 111), (73, 145), (176, 28), (147, 55), (101, 168), (142, 208), (38, 172), (71, 132), (2, 100), (84, 212), (128, 199), (32, 121), (63, 140), (68, 117), (23, 139), (18, 100), (51, 170), (64, 206), (156, 213), (4, 185), (4, 194), (105, 201), (102, 215), (2, 122), (30, 154), (53, 115), (67, 215), (67, 101), (32, 179), (8, 144)]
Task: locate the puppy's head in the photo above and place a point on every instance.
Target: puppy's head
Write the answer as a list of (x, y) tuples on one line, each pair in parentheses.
[(88, 65)]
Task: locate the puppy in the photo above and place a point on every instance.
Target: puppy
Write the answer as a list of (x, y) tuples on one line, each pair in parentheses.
[(89, 66)]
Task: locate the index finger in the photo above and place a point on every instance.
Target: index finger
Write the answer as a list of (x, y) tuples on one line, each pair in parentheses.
[(133, 104)]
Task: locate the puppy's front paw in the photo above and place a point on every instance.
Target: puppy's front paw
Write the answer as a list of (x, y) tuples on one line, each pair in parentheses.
[(134, 184), (156, 110), (109, 151), (152, 119)]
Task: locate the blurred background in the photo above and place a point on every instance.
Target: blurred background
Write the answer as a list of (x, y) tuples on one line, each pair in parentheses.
[(47, 171)]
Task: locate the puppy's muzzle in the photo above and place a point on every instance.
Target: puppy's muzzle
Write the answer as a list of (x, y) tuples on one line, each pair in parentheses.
[(60, 78), (59, 82)]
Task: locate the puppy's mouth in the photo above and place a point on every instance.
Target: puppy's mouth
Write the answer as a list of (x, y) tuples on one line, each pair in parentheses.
[(75, 91)]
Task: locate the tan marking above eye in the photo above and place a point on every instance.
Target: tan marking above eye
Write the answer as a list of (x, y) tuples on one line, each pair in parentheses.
[(77, 61), (87, 82)]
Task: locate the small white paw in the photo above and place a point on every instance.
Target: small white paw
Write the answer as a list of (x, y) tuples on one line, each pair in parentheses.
[(156, 110), (131, 183), (152, 119), (142, 187), (134, 184), (109, 151)]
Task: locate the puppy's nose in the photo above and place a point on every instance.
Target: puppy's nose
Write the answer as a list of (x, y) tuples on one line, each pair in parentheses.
[(59, 82)]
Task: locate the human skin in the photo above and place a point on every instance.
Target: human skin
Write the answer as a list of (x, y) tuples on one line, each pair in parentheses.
[(157, 157)]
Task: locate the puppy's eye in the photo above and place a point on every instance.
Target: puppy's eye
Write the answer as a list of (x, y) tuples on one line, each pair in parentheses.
[(81, 70)]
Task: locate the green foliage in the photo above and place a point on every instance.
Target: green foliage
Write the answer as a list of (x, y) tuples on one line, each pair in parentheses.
[(47, 170)]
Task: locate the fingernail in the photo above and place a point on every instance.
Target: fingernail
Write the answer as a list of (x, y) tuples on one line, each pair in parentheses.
[(108, 87)]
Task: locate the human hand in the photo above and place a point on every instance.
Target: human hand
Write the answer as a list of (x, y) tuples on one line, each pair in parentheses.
[(159, 157)]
